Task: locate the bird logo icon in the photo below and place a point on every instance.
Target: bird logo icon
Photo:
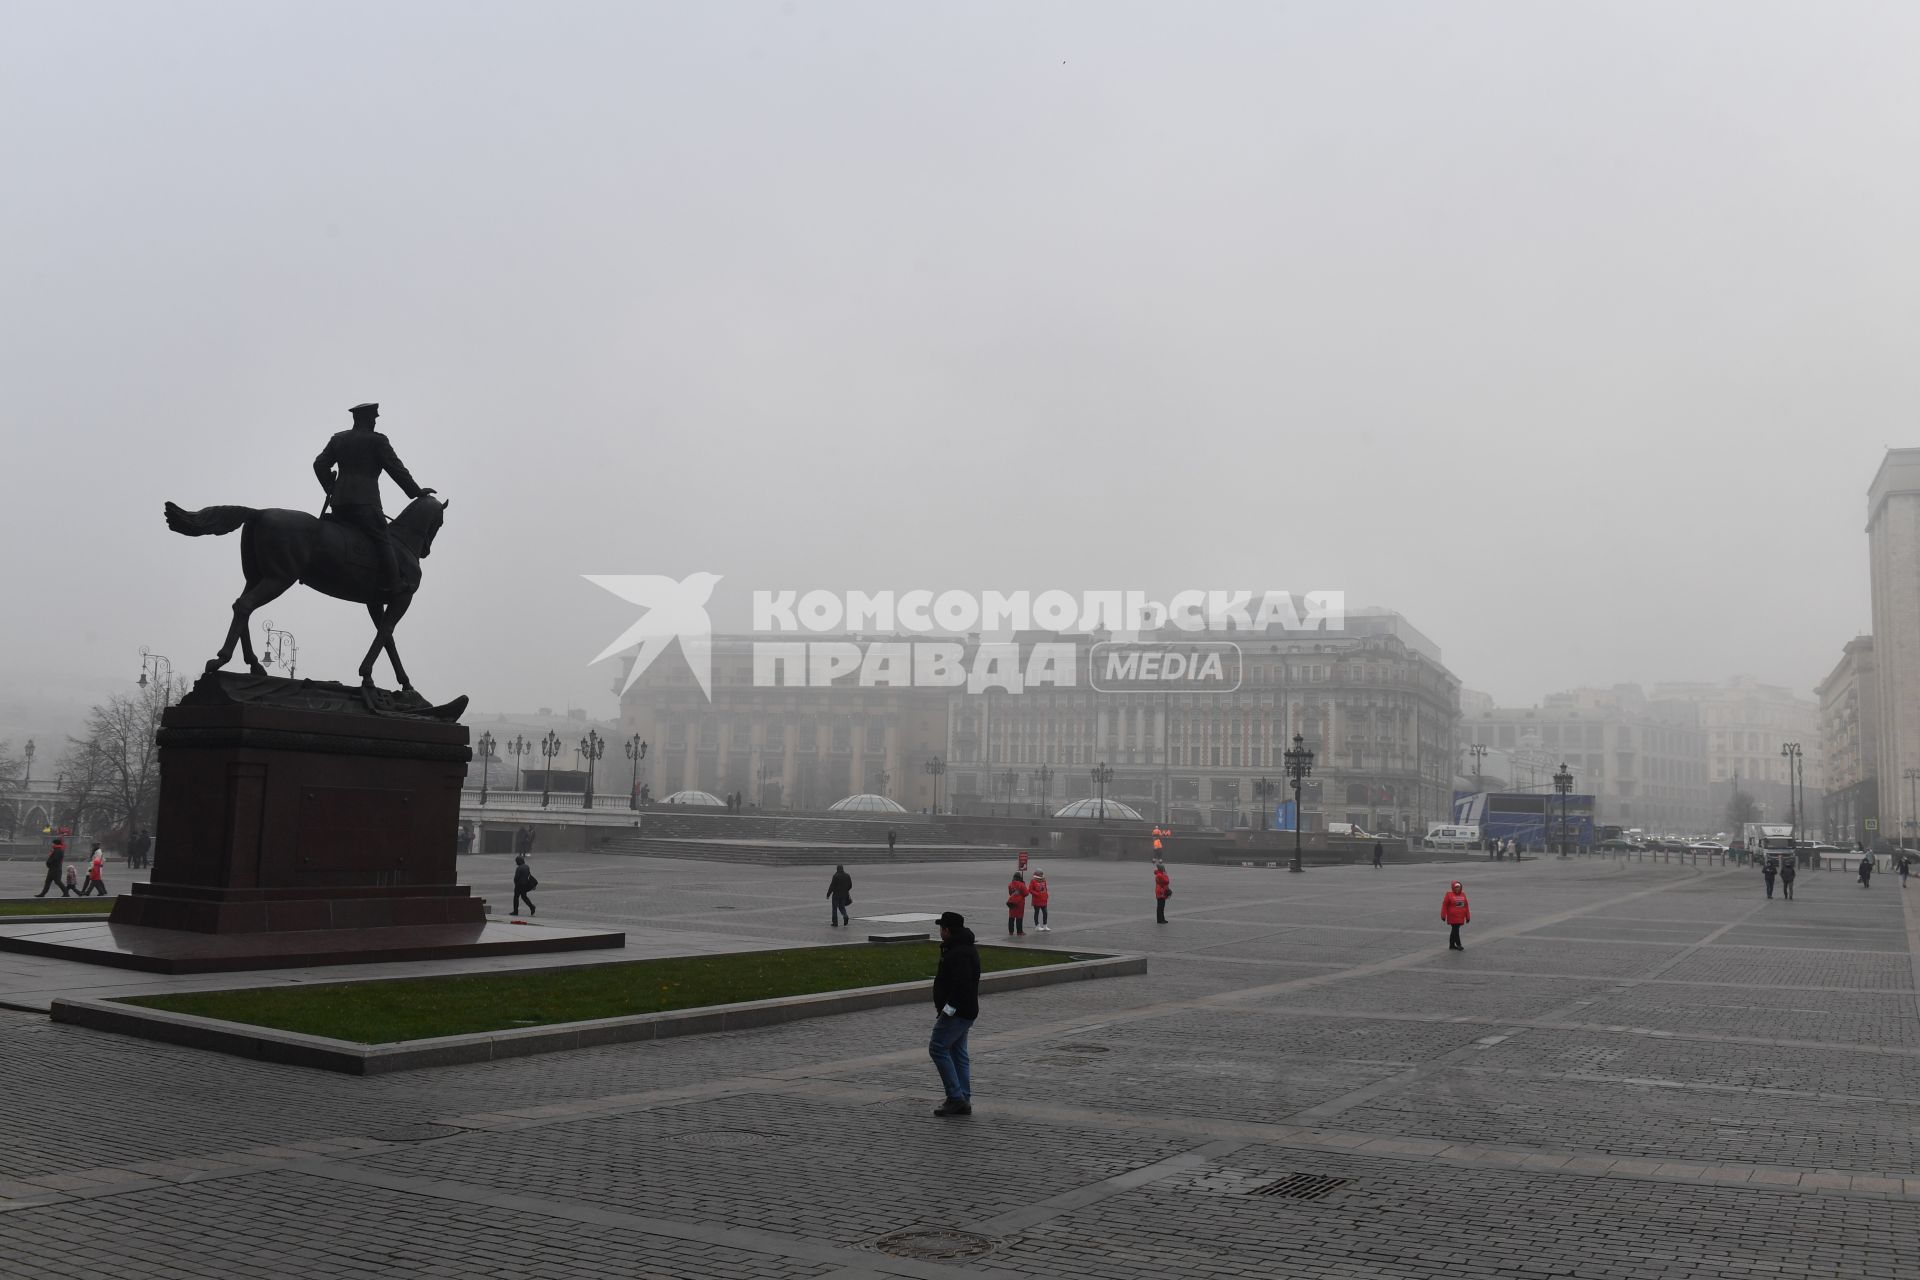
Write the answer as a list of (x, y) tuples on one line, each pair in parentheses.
[(674, 611)]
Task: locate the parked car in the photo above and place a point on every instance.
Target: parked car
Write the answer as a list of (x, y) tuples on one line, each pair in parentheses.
[(1617, 845), (1707, 846)]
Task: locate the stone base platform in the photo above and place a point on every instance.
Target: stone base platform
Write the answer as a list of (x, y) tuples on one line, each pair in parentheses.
[(120, 946)]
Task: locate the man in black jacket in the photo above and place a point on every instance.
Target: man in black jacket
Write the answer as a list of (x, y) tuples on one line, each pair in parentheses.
[(956, 997), (55, 857)]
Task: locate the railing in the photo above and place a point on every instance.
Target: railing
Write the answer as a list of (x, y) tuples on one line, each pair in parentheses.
[(557, 801)]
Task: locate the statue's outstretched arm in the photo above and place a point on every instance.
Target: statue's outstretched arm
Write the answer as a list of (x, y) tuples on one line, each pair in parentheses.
[(398, 471)]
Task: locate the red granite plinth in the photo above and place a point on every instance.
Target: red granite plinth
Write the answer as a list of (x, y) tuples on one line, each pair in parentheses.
[(292, 806)]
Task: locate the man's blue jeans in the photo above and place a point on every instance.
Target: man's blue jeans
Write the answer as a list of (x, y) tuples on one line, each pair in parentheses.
[(948, 1049)]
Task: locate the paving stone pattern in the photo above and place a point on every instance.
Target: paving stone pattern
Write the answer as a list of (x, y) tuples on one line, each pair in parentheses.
[(1636, 1069)]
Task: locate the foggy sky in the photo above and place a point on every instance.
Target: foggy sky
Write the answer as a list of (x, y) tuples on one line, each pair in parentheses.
[(1574, 332)]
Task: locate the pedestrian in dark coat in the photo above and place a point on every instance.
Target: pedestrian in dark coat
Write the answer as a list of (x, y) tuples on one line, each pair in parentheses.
[(1866, 871), (839, 894), (56, 856), (1454, 910), (524, 884), (1769, 869), (1787, 874), (1379, 855), (893, 838), (956, 1001)]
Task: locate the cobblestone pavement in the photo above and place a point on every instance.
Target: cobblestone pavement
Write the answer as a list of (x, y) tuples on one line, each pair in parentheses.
[(1633, 1070)]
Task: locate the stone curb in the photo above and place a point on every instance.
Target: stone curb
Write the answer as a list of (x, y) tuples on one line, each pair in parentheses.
[(326, 1054)]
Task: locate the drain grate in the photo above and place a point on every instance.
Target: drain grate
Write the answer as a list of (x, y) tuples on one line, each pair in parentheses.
[(1301, 1186), (416, 1133), (934, 1244)]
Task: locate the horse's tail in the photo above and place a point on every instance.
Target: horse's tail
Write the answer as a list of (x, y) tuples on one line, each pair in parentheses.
[(196, 524)]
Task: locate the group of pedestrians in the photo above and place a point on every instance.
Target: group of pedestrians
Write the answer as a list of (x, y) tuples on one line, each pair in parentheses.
[(61, 874), (1019, 894), (1782, 869)]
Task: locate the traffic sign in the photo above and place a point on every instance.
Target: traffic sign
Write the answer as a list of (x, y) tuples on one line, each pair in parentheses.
[(1873, 824)]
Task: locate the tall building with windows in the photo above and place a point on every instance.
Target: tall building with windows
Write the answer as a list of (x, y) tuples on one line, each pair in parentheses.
[(1374, 702), (1644, 762), (1893, 550), (1747, 723), (1849, 746)]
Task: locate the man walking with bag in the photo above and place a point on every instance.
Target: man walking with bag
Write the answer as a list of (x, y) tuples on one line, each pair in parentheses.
[(55, 857)]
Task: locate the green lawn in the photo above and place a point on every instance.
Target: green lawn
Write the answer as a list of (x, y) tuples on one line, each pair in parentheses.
[(51, 906), (419, 1008)]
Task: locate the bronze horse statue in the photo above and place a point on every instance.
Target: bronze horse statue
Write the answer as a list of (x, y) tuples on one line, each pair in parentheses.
[(279, 547)]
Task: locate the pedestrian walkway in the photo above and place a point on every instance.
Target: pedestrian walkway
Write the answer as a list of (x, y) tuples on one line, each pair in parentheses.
[(1630, 1070)]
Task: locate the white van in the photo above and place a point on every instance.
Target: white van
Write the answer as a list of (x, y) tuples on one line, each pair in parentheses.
[(1441, 835)]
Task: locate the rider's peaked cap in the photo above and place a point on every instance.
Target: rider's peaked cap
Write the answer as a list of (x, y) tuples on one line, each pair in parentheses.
[(369, 406)]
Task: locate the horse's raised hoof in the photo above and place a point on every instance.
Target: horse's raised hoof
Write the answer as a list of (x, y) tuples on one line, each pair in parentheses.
[(256, 669), (213, 665)]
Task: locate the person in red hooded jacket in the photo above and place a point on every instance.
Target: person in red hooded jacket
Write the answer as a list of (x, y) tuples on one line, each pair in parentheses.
[(1162, 890), (1454, 910), (1017, 905)]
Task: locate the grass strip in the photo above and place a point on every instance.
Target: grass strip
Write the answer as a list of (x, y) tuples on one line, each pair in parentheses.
[(56, 907), (463, 1004)]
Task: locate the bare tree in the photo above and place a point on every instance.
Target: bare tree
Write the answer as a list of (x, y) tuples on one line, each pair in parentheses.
[(119, 759)]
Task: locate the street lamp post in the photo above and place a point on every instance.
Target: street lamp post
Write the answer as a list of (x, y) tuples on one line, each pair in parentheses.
[(935, 768), (880, 779), (1266, 789), (282, 650), (486, 763), (1299, 760), (1102, 775), (156, 664), (1012, 778), (1043, 783), (549, 747), (518, 748), (29, 772), (593, 746), (1910, 775), (636, 752), (1563, 783)]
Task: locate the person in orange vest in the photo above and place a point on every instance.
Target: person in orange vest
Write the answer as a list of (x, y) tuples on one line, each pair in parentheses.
[(1454, 910), (1017, 906), (1162, 890), (1038, 892)]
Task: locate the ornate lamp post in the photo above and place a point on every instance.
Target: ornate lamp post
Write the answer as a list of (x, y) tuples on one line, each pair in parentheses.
[(549, 747), (486, 763), (156, 663), (636, 752), (1563, 783), (935, 768), (1102, 775), (1797, 800), (592, 747), (1266, 789), (517, 748), (29, 772), (1012, 779), (1043, 783), (1299, 760), (282, 649), (880, 780)]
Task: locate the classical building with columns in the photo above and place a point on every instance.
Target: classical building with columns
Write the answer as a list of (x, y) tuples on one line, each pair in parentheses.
[(1374, 703)]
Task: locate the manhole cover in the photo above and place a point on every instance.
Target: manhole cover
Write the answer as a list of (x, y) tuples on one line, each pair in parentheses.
[(722, 1138), (415, 1133), (1046, 1061), (1300, 1186), (934, 1244)]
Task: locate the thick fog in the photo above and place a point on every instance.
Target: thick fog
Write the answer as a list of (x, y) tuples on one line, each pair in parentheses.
[(1573, 332)]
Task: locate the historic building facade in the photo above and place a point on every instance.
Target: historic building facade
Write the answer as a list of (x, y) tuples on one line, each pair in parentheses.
[(1374, 703), (1849, 736)]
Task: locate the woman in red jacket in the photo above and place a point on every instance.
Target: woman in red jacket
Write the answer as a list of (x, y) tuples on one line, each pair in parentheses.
[(1453, 910), (1162, 890), (1039, 893), (1017, 905)]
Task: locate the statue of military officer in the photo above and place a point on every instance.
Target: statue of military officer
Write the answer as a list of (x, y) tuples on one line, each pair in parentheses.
[(349, 470)]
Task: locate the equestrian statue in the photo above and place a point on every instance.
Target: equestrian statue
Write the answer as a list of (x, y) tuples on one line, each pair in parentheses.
[(351, 553)]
